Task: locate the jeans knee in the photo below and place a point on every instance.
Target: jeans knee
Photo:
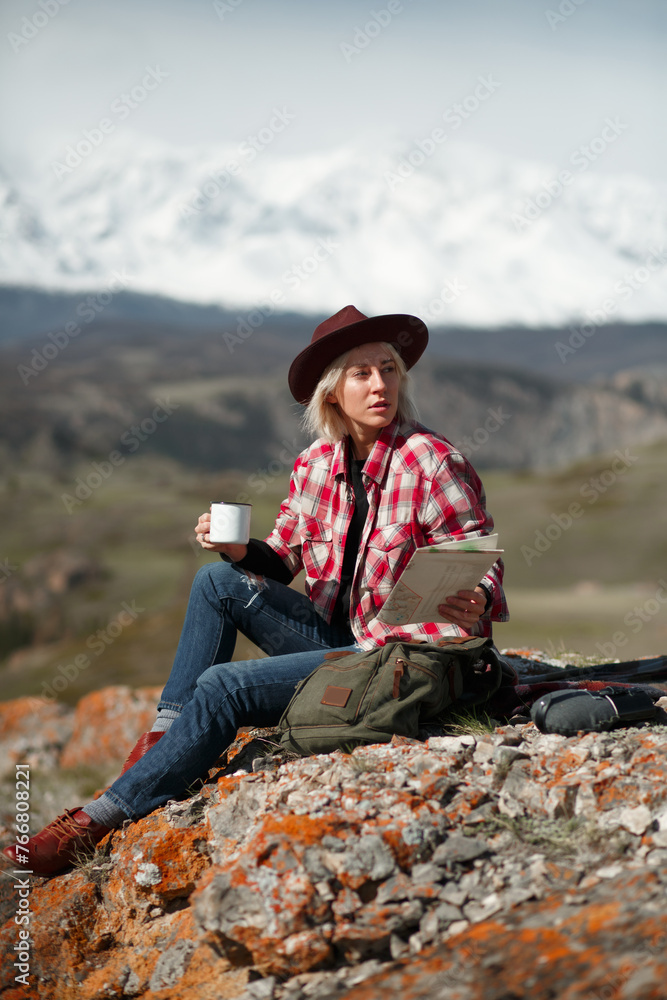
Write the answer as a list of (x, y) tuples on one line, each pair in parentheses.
[(218, 689), (215, 571), (212, 679), (222, 576)]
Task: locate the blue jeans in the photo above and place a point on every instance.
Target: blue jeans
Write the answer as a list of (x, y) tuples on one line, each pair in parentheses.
[(215, 696)]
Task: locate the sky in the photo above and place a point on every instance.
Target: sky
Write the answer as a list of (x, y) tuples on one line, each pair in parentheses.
[(536, 79)]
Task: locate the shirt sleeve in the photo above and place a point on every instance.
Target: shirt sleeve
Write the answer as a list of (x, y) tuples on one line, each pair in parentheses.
[(496, 608), (456, 508), (262, 560), (285, 539)]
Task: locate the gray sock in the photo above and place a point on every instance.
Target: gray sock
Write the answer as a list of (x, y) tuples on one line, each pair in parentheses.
[(105, 811), (165, 717)]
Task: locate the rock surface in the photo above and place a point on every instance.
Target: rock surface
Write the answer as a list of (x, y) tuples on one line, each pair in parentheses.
[(486, 864)]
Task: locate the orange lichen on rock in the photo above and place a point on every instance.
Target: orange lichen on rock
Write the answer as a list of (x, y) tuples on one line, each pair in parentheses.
[(301, 830), (596, 951), (32, 730), (166, 864), (505, 864), (20, 716), (63, 917), (108, 723)]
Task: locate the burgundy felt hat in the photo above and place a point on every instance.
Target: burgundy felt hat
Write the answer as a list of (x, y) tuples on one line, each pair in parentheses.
[(349, 328)]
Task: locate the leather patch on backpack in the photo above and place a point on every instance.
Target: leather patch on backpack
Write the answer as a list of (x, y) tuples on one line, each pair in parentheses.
[(336, 696)]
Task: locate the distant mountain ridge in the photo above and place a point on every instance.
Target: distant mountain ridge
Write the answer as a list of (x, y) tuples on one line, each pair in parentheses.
[(34, 318), (234, 411), (465, 238)]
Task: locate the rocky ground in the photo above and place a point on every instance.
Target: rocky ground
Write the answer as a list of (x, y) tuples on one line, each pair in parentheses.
[(493, 863)]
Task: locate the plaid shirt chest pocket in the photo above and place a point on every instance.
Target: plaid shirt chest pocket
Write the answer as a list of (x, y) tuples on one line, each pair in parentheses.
[(389, 551), (316, 545)]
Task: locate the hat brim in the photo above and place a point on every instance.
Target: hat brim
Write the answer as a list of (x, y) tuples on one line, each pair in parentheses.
[(407, 334)]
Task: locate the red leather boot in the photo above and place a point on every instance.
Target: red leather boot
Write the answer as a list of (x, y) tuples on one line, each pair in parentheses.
[(68, 838)]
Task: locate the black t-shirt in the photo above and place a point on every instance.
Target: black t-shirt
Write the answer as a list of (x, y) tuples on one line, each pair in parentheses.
[(341, 613)]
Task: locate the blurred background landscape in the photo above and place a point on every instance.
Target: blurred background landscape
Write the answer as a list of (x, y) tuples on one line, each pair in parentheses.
[(168, 243)]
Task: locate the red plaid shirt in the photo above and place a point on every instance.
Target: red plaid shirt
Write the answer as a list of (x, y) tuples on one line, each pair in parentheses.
[(421, 491)]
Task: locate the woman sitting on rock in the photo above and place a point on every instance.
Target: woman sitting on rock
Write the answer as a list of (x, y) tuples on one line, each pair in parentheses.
[(373, 487)]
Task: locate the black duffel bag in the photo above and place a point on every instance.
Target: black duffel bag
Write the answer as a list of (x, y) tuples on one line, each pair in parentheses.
[(571, 712)]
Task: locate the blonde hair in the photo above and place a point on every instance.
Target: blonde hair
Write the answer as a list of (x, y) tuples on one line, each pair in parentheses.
[(324, 420)]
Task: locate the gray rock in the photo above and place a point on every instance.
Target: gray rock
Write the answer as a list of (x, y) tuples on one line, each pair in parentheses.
[(395, 889), (314, 864), (361, 972), (234, 815), (261, 989), (428, 872), (221, 907), (437, 919), (657, 858), (454, 894), (505, 756), (459, 849), (171, 965), (481, 814), (267, 763), (451, 744), (370, 856), (513, 896), (475, 910), (483, 753), (520, 794)]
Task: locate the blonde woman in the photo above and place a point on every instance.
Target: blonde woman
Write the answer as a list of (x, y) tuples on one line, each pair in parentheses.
[(374, 486)]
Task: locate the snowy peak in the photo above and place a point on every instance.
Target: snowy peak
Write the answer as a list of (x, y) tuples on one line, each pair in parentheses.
[(455, 234)]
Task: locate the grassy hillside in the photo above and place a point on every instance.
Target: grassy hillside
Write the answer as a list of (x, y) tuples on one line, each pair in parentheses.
[(138, 526), (586, 554), (586, 551)]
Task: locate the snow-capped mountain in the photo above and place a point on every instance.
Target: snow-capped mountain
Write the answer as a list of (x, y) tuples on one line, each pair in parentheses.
[(454, 233)]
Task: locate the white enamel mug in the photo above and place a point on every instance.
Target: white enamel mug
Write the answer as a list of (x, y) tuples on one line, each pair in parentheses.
[(230, 522)]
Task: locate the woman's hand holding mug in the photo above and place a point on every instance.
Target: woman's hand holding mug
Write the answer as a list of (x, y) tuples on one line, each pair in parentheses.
[(235, 551)]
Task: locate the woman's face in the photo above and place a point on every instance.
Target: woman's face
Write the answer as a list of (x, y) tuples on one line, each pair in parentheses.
[(367, 395)]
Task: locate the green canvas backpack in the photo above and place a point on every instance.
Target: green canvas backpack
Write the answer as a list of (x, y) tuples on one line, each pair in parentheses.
[(367, 697)]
